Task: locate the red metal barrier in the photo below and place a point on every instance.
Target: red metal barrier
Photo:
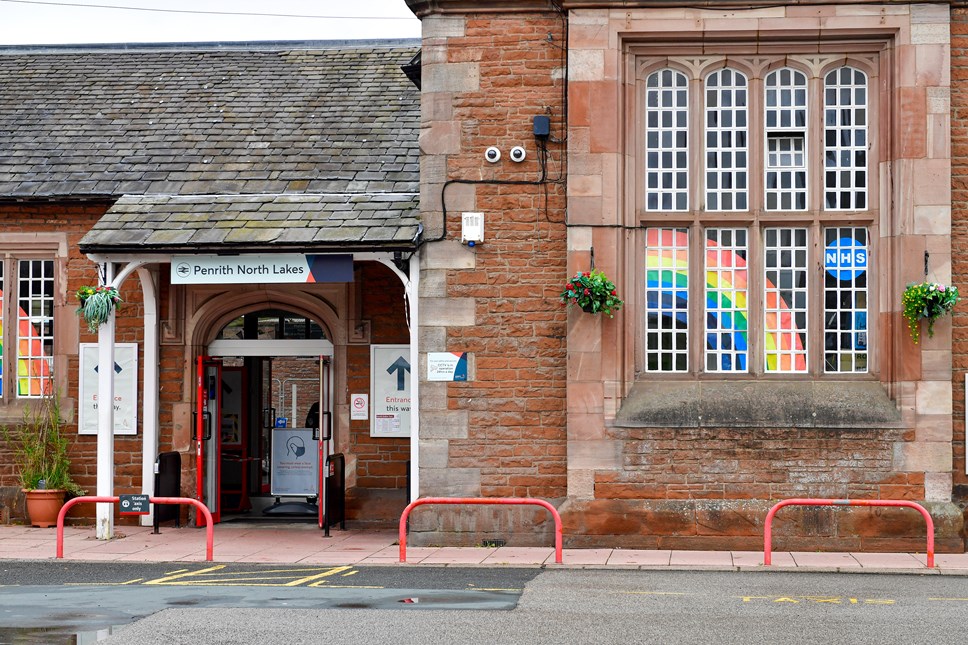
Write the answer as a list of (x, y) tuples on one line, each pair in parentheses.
[(209, 530), (768, 526), (512, 501)]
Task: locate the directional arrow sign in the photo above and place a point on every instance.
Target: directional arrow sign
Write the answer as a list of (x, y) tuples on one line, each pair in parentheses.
[(401, 366), (389, 412)]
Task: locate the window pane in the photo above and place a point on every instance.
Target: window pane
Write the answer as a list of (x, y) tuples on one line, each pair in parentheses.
[(784, 298), (667, 141), (786, 154), (845, 299), (725, 142), (845, 139), (667, 299), (726, 296), (35, 327)]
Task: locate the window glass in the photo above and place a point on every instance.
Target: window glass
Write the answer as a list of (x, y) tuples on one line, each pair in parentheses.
[(774, 297), (845, 140), (667, 299), (786, 121), (35, 327), (726, 153), (667, 141), (271, 324), (785, 299), (726, 295), (845, 299)]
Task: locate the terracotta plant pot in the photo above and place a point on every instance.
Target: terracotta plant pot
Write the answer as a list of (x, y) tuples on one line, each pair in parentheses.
[(43, 506)]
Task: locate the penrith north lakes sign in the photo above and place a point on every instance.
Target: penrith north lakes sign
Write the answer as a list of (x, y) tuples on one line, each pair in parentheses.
[(276, 268)]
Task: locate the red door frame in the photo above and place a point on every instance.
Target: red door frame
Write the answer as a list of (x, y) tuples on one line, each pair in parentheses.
[(213, 434)]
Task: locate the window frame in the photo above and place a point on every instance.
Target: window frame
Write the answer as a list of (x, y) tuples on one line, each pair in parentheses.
[(17, 247), (757, 218)]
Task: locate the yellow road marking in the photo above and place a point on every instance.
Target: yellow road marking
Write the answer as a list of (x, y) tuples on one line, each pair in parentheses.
[(323, 583), (308, 579), (184, 573), (351, 573), (835, 600), (217, 576), (103, 584)]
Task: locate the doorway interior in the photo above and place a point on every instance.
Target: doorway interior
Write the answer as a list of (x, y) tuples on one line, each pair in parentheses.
[(264, 413)]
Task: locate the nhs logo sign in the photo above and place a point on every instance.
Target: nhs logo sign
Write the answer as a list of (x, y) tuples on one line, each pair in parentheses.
[(845, 259)]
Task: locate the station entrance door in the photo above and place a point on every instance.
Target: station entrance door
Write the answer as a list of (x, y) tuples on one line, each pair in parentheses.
[(263, 421)]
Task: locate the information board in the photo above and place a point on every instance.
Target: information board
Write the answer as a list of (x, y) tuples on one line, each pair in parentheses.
[(125, 389), (390, 387), (295, 462)]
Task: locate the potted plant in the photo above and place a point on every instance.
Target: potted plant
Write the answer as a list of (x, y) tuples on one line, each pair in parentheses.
[(40, 452), (593, 292), (927, 301), (96, 304)]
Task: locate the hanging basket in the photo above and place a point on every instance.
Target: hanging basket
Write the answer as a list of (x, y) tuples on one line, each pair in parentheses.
[(96, 305), (927, 301), (593, 292)]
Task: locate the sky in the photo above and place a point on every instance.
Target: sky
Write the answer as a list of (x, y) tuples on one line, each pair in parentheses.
[(36, 22)]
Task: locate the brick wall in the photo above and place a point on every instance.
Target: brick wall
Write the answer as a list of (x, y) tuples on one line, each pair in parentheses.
[(515, 402), (381, 462), (73, 220), (502, 432)]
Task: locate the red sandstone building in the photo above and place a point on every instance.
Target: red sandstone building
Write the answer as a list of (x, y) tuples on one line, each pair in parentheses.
[(761, 182)]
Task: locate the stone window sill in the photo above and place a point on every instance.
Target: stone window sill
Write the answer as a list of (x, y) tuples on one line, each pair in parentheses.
[(758, 404)]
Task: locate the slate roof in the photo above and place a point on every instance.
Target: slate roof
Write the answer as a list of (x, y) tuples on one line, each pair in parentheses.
[(159, 124), (214, 223)]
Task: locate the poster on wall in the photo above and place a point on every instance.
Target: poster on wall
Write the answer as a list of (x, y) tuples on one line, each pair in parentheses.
[(125, 389), (446, 366), (295, 462), (390, 377)]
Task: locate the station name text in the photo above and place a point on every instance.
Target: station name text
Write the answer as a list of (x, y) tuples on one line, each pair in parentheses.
[(248, 269)]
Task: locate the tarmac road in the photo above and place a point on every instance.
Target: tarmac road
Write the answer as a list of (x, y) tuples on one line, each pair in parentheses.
[(201, 604)]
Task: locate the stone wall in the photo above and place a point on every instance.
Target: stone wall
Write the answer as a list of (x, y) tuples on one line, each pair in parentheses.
[(485, 77)]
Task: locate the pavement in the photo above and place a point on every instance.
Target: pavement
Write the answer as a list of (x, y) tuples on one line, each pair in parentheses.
[(306, 544)]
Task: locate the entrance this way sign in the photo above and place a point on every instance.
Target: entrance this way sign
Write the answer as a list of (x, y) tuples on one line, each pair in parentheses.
[(390, 376)]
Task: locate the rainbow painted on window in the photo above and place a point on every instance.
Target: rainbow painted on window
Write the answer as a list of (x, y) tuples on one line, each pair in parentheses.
[(34, 325), (726, 300), (727, 314)]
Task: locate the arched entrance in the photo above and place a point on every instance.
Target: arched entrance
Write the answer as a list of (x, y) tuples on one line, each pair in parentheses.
[(264, 410)]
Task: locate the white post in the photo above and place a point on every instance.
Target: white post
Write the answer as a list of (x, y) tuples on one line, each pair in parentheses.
[(412, 295), (105, 417), (149, 392)]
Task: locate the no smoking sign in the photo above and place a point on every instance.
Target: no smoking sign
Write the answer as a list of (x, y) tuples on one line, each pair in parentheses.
[(359, 407)]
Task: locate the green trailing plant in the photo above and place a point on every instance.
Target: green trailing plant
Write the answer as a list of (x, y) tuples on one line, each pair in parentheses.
[(593, 292), (927, 301), (96, 305), (40, 447)]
